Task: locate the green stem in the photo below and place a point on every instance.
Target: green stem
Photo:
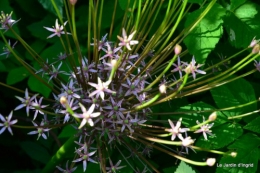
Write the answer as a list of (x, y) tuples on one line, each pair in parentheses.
[(59, 156)]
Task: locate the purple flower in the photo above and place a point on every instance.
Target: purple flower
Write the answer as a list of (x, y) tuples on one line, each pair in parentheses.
[(26, 101), (192, 68), (67, 170), (85, 157), (257, 65), (40, 130), (114, 168), (7, 123), (176, 130), (6, 50), (110, 53), (178, 67), (205, 129), (37, 106), (57, 30), (100, 88), (127, 41), (6, 21), (87, 115)]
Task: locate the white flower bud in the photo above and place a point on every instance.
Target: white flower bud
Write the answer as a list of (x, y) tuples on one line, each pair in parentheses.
[(211, 161)]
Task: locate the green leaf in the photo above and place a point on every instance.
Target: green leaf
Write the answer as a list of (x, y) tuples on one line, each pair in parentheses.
[(247, 156), (182, 168), (204, 37), (254, 125), (39, 87), (246, 17), (233, 94), (35, 151), (233, 131), (67, 131), (2, 67), (236, 3), (196, 1), (189, 119), (48, 6), (16, 75)]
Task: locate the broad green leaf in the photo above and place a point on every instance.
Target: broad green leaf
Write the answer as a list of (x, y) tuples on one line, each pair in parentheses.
[(37, 46), (242, 24), (254, 125), (39, 87), (236, 3), (16, 75), (67, 131), (35, 151), (37, 29), (204, 37), (223, 135), (47, 4), (182, 168), (247, 156), (193, 112), (234, 94)]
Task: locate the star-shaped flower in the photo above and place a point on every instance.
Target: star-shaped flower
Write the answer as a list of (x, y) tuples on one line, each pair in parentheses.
[(57, 30), (127, 41), (205, 129), (87, 115), (7, 123), (192, 68), (100, 88), (176, 130)]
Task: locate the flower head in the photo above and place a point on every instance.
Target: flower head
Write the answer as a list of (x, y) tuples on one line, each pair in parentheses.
[(127, 41), (67, 170), (176, 130), (57, 30), (6, 21), (40, 130), (7, 123), (100, 88)]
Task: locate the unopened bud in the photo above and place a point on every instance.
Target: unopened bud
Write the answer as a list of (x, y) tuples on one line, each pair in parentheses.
[(73, 2), (113, 62), (233, 154), (187, 141), (63, 100), (177, 49), (162, 88), (256, 49), (253, 42), (211, 161), (213, 116)]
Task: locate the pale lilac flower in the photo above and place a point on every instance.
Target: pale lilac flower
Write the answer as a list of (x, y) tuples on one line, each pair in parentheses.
[(111, 53), (6, 51), (192, 68), (85, 157), (6, 21), (26, 101), (205, 129), (40, 131), (257, 65), (7, 123), (178, 67), (114, 168), (127, 41), (87, 115), (67, 170), (100, 88), (57, 30), (176, 130), (37, 106), (66, 111), (101, 43)]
